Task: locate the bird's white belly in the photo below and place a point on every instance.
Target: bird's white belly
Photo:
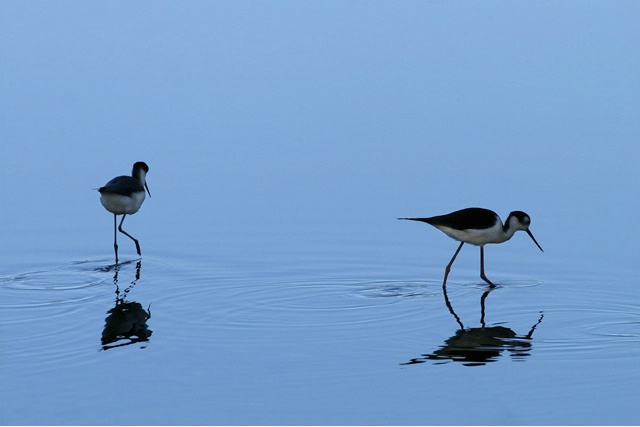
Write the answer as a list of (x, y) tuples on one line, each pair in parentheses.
[(120, 205), (494, 234)]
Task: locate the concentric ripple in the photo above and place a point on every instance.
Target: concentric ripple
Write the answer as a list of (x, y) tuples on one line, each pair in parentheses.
[(58, 285), (281, 303), (399, 289), (61, 285)]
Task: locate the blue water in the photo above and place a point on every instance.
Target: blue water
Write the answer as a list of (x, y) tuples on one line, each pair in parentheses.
[(276, 285), (319, 333)]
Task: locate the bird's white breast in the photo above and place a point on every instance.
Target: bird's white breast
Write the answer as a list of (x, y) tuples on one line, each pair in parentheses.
[(119, 204), (493, 234)]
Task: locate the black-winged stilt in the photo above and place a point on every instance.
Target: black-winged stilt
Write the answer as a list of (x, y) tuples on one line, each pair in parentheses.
[(123, 195), (478, 227)]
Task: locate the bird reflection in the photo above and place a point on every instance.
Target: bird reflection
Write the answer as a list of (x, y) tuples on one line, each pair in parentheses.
[(126, 322), (478, 346)]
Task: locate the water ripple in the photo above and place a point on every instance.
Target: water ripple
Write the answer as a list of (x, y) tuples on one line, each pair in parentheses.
[(278, 302), (399, 289), (55, 286)]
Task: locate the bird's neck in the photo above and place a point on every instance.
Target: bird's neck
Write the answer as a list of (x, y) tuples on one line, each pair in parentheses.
[(508, 230), (140, 175)]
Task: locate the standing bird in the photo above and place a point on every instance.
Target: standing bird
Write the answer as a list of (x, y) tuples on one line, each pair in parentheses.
[(123, 195), (478, 227)]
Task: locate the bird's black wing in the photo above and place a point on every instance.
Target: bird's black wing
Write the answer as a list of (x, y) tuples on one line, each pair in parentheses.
[(464, 219), (125, 185)]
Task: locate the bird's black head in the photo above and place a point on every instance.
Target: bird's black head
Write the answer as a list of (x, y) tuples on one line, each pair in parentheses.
[(522, 222), (522, 217), (139, 172), (140, 166)]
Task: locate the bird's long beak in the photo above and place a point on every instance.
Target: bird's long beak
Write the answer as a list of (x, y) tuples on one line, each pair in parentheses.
[(534, 239), (147, 187)]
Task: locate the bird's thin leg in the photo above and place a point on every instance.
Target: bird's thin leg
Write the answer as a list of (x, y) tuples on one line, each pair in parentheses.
[(448, 269), (129, 235), (482, 268), (115, 236)]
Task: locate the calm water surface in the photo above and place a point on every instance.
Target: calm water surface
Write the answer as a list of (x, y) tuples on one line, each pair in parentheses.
[(318, 331)]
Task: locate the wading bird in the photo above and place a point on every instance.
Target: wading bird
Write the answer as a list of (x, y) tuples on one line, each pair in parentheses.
[(123, 195), (478, 227)]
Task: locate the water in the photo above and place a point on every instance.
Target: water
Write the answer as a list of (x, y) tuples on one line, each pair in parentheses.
[(326, 332), (276, 285)]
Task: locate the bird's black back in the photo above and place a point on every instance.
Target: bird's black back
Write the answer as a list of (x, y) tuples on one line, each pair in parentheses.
[(464, 219), (124, 185)]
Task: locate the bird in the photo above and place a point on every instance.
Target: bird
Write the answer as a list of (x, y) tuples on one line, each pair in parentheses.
[(478, 226), (123, 195)]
